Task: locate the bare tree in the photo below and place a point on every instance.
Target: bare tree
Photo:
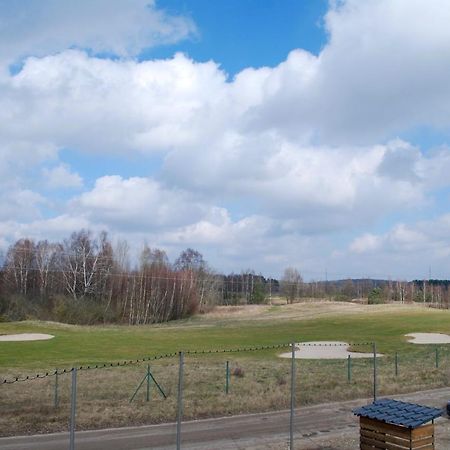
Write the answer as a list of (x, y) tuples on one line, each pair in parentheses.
[(291, 284), (45, 258), (80, 260), (190, 259), (19, 265)]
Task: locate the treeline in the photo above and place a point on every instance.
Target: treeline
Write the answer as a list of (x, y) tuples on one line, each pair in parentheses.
[(250, 288), (431, 292), (85, 280)]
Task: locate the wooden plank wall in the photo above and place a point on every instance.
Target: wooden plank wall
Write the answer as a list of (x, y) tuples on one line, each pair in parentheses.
[(377, 435)]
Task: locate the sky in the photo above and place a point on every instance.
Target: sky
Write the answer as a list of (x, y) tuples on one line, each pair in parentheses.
[(266, 134)]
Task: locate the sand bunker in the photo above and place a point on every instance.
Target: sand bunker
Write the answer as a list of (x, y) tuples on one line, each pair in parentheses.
[(428, 338), (25, 337), (325, 350)]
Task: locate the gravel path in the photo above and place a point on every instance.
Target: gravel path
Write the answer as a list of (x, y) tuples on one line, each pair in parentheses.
[(330, 426)]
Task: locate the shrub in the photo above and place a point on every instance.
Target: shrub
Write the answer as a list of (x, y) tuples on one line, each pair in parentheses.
[(342, 298), (238, 372), (81, 311), (374, 297)]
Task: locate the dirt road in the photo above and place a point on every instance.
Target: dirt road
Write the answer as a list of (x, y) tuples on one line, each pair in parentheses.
[(328, 426)]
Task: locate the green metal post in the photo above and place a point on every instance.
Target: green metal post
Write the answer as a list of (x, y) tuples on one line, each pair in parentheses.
[(227, 379), (180, 398), (148, 383), (158, 386), (73, 410), (292, 412), (396, 364), (349, 369), (148, 377), (56, 400), (137, 389), (374, 372)]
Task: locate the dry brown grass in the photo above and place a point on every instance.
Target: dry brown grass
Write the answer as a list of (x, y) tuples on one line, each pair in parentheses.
[(304, 310), (103, 394)]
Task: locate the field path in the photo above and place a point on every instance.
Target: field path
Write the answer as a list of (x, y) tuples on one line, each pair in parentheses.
[(327, 426)]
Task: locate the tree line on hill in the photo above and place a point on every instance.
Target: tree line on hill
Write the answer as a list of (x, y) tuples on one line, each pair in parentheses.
[(85, 279)]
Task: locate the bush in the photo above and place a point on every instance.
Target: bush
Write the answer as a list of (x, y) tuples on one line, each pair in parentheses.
[(281, 380), (238, 372), (374, 297), (17, 308), (81, 311), (342, 298)]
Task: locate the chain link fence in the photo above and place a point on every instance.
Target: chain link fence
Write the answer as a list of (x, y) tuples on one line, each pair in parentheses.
[(178, 387)]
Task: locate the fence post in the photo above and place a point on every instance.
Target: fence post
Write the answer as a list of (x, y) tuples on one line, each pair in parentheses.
[(180, 399), (73, 409), (374, 372), (56, 400), (291, 419), (227, 379), (349, 368), (396, 364), (437, 358), (148, 383)]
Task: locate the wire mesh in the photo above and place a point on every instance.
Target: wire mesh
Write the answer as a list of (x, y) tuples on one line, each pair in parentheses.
[(108, 394)]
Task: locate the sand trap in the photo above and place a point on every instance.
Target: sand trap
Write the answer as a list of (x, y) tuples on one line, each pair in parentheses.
[(428, 338), (325, 350), (25, 337)]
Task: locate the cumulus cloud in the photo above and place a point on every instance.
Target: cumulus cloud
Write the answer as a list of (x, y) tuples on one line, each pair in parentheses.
[(365, 243), (61, 177), (20, 204), (100, 105), (119, 27), (405, 250), (204, 128), (383, 71), (309, 148), (404, 238), (138, 203)]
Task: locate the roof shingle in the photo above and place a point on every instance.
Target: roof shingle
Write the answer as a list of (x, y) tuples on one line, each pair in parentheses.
[(396, 412)]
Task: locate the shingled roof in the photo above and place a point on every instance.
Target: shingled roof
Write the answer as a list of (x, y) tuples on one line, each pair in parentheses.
[(395, 412)]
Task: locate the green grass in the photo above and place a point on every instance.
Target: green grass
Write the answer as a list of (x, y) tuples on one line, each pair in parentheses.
[(87, 345), (103, 394)]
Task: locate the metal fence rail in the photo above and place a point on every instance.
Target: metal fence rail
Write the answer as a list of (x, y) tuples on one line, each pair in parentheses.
[(182, 385)]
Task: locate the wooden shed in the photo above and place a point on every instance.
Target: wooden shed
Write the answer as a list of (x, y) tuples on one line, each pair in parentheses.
[(393, 425)]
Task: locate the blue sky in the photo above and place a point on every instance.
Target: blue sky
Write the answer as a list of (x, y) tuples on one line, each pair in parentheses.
[(265, 134), (247, 33)]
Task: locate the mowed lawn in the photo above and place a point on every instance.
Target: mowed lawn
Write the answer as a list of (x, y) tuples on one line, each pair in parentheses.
[(74, 345)]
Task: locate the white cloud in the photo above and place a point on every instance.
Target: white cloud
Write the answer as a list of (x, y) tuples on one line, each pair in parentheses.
[(382, 72), (120, 27), (306, 149), (405, 240), (138, 204), (404, 251), (20, 204), (101, 105), (365, 243), (53, 229), (61, 177), (205, 129)]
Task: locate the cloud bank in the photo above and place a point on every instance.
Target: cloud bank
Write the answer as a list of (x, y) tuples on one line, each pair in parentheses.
[(299, 164)]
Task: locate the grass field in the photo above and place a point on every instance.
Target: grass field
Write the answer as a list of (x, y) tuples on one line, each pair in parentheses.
[(104, 393), (228, 328)]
